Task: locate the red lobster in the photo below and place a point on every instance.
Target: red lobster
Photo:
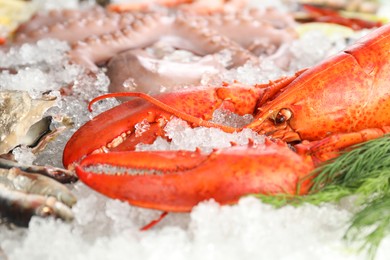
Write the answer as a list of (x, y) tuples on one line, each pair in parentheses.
[(342, 101)]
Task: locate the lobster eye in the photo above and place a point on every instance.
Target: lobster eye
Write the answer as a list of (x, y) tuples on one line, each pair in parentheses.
[(283, 115)]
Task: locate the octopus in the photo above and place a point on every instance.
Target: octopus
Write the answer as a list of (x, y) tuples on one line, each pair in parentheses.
[(122, 42), (198, 6)]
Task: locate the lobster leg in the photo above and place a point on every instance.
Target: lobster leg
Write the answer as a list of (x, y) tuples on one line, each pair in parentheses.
[(177, 181), (330, 147)]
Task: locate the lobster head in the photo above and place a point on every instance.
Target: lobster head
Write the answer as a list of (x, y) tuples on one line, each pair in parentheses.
[(303, 110), (319, 103), (342, 94)]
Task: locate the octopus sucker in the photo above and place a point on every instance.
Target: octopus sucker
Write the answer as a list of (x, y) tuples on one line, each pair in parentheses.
[(46, 19), (137, 34), (76, 29), (98, 35)]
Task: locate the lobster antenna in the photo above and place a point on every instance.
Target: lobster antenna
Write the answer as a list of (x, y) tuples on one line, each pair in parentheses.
[(184, 116)]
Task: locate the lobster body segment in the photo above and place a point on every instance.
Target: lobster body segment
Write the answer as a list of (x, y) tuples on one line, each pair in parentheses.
[(340, 102)]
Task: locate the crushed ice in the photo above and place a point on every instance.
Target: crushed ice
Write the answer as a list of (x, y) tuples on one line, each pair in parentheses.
[(106, 228), (183, 137)]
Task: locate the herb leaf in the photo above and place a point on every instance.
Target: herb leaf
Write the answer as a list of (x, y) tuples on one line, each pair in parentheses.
[(363, 172)]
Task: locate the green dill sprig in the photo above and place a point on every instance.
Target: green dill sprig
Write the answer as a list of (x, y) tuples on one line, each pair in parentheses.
[(363, 172), (371, 224), (353, 168)]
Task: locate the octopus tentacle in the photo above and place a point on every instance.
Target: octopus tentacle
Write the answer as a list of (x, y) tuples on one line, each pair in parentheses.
[(183, 33), (189, 6), (98, 35), (99, 48), (47, 19), (267, 28), (211, 41), (78, 28)]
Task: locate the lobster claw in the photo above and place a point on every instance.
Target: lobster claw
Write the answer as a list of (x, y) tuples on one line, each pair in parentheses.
[(178, 180)]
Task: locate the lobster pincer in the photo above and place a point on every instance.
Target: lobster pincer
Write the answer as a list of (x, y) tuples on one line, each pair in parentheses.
[(179, 180), (320, 111)]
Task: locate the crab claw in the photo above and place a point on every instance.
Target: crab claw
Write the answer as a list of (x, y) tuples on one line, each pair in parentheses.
[(178, 180)]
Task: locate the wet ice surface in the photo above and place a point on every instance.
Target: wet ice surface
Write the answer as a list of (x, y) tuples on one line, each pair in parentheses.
[(109, 229), (184, 137)]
